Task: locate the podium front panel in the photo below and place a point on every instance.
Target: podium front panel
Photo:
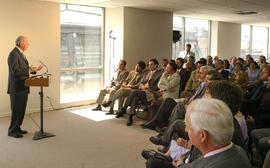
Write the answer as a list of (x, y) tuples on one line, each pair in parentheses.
[(37, 82)]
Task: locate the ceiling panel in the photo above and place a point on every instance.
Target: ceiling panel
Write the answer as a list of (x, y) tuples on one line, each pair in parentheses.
[(218, 10)]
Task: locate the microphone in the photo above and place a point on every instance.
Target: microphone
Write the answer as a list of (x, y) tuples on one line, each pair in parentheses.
[(46, 73)]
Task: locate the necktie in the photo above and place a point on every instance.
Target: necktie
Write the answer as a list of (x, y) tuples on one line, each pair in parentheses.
[(149, 77)]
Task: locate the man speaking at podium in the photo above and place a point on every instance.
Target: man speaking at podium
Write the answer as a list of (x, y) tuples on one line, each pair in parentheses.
[(19, 70)]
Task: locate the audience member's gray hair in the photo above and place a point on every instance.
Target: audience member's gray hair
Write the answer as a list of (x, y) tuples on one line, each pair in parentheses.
[(213, 116), (19, 40), (206, 68)]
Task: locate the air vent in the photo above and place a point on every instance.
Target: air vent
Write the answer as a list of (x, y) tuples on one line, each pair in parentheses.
[(245, 12)]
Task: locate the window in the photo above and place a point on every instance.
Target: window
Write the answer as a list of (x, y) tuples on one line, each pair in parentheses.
[(245, 37), (268, 55), (81, 52), (193, 31), (259, 42), (196, 33), (178, 46), (254, 41)]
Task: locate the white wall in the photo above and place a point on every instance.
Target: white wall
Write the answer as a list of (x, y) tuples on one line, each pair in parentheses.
[(40, 22), (214, 38), (114, 20), (147, 34), (225, 39), (229, 40)]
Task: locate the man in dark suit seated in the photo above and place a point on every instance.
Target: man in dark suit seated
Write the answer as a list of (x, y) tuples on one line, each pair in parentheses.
[(219, 66), (210, 61), (146, 92), (169, 105), (19, 70), (222, 90), (253, 98), (261, 140), (261, 114), (209, 123), (193, 83), (183, 72)]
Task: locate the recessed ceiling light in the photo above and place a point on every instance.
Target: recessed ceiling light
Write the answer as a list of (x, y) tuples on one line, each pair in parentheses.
[(245, 12)]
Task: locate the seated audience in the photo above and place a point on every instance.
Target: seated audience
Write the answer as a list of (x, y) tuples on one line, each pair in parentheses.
[(240, 60), (204, 61), (146, 93), (209, 123), (232, 64), (219, 66), (183, 72), (253, 98), (260, 117), (222, 90), (262, 62), (132, 82), (239, 77), (215, 60), (226, 65), (178, 113), (169, 82), (249, 59), (179, 110), (170, 110), (253, 75), (215, 135), (191, 59), (116, 82), (164, 65), (191, 62), (261, 140), (193, 82), (210, 61)]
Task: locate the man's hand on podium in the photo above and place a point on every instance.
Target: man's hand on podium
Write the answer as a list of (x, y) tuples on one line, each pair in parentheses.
[(34, 69)]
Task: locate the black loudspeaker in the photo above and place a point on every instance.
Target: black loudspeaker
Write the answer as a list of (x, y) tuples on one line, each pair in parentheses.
[(176, 36)]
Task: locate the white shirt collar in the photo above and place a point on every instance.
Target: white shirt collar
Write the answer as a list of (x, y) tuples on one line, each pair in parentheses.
[(218, 151)]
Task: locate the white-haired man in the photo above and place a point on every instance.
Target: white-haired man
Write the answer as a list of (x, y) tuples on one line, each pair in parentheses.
[(209, 124), (18, 72)]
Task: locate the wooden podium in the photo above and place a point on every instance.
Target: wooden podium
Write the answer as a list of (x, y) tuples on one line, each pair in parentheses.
[(40, 82)]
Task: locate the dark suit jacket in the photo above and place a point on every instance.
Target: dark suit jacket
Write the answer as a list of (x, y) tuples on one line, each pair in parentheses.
[(256, 93), (198, 94), (153, 82), (184, 77), (252, 100), (262, 112), (18, 71), (237, 139), (225, 74), (234, 157)]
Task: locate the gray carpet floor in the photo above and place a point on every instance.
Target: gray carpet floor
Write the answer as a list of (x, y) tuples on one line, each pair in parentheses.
[(84, 139)]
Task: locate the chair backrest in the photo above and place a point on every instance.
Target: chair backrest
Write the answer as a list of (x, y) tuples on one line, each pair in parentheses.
[(266, 163)]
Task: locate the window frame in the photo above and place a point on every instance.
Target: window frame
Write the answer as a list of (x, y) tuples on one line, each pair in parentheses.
[(251, 40), (183, 31), (101, 67)]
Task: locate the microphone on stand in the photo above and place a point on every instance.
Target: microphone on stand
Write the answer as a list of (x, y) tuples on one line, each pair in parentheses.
[(46, 73)]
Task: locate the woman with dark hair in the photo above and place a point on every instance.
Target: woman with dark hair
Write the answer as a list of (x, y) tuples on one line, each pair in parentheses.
[(253, 75), (239, 77), (226, 65)]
